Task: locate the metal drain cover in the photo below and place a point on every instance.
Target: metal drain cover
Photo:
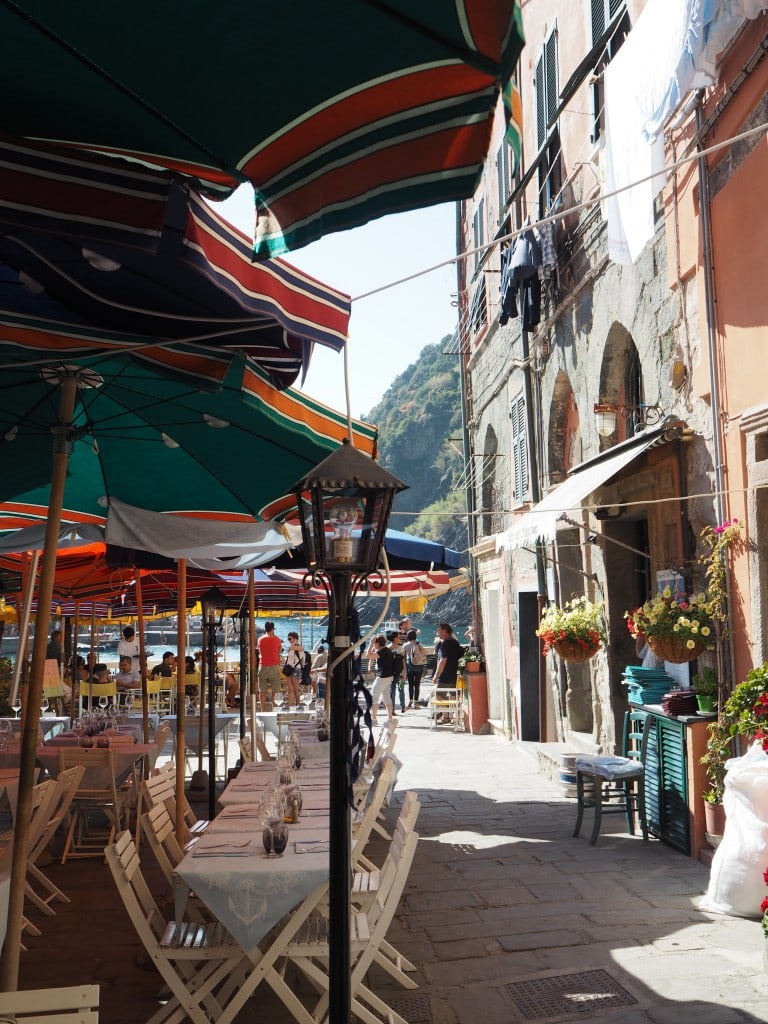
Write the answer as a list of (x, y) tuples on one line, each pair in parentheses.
[(414, 1009), (567, 994)]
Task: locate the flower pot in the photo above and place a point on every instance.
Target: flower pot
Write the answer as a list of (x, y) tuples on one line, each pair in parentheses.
[(672, 648), (714, 823), (472, 666), (572, 650), (707, 702)]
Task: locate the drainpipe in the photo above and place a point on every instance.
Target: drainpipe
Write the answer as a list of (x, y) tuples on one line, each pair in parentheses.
[(728, 665), (533, 474)]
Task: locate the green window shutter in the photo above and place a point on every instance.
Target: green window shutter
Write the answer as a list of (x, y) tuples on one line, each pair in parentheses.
[(519, 452)]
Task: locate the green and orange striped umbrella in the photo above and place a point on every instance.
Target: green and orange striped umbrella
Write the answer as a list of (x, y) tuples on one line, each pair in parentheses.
[(336, 112)]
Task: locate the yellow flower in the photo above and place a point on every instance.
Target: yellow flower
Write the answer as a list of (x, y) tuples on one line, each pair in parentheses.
[(667, 592), (695, 624), (690, 644), (705, 630), (676, 628)]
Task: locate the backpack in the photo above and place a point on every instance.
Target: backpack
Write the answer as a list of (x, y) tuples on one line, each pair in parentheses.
[(417, 655), (398, 665), (306, 669)]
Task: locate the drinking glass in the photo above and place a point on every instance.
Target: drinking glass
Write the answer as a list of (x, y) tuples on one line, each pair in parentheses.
[(103, 702), (278, 699), (307, 698), (320, 706), (279, 838), (16, 707), (267, 839)]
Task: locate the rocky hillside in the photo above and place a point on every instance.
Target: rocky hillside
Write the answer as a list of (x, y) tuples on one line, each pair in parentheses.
[(420, 441)]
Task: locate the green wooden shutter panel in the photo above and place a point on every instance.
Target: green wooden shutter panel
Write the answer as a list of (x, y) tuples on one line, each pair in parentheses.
[(666, 783)]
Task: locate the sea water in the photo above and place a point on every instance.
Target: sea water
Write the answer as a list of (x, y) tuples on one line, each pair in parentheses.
[(312, 631)]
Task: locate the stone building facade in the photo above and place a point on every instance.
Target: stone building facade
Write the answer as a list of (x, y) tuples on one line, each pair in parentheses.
[(559, 507)]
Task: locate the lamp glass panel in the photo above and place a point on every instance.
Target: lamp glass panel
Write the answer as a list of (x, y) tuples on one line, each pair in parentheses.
[(606, 422)]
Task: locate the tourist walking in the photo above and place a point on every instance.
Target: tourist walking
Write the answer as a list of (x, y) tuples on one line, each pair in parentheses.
[(415, 663), (382, 684), (269, 647)]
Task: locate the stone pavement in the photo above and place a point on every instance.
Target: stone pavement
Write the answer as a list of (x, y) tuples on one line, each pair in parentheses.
[(506, 914)]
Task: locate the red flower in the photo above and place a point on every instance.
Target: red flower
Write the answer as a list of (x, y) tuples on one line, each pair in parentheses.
[(764, 905)]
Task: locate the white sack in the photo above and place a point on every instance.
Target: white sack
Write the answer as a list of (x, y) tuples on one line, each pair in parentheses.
[(736, 884)]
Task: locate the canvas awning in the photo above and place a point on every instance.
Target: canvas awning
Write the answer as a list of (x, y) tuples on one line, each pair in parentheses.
[(540, 523)]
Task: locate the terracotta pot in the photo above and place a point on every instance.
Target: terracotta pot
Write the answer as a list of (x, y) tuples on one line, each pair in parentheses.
[(472, 666), (672, 648), (714, 822), (569, 650)]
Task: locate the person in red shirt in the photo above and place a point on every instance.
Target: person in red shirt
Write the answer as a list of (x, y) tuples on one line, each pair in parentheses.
[(269, 662)]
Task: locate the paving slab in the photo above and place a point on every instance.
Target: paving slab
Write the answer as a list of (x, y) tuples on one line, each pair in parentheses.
[(500, 892)]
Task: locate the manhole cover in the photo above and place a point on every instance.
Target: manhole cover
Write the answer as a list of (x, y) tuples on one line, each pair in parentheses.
[(586, 992), (414, 1009)]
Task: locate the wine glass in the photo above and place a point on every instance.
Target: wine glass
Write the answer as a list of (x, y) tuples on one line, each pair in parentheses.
[(16, 705), (278, 699), (320, 706), (103, 703), (44, 704), (307, 698)]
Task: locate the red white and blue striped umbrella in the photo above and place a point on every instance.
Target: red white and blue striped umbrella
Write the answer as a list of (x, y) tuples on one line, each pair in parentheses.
[(119, 255)]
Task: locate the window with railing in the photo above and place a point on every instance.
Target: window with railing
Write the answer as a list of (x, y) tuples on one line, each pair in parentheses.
[(478, 231), (478, 306)]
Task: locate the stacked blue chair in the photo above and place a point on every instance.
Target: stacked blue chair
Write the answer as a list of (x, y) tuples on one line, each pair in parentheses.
[(647, 685)]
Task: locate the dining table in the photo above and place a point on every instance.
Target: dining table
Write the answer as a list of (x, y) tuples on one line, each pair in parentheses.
[(228, 869), (126, 756), (47, 723), (222, 722), (9, 787)]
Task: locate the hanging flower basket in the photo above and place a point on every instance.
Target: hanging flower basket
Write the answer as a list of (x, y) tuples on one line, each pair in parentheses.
[(672, 648), (574, 650)]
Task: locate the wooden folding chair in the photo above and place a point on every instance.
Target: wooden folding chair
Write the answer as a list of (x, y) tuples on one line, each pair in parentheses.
[(43, 800), (309, 951), (98, 793), (160, 833), (76, 1005), (447, 702), (161, 788), (66, 786), (207, 972)]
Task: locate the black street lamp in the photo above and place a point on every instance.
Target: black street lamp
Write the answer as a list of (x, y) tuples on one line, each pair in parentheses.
[(214, 603), (344, 504)]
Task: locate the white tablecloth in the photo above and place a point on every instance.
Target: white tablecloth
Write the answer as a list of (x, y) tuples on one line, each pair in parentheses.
[(248, 892)]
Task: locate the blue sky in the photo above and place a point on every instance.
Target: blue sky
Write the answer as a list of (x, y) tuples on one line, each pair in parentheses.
[(387, 331)]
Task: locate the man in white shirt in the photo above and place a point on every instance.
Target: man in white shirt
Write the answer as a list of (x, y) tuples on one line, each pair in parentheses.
[(129, 646)]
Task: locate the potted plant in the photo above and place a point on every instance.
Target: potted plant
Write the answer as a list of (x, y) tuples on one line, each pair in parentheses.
[(677, 626), (705, 686), (472, 660), (575, 631), (744, 714)]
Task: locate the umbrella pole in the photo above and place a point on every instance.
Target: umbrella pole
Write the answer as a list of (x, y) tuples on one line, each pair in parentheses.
[(252, 681), (9, 966), (21, 650), (142, 658), (181, 741), (73, 681)]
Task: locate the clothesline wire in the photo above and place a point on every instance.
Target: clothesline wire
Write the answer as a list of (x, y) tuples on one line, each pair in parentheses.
[(578, 207), (635, 503)]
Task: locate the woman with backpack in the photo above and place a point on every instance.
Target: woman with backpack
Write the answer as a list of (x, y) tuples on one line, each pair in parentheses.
[(415, 663), (293, 669)]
